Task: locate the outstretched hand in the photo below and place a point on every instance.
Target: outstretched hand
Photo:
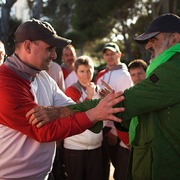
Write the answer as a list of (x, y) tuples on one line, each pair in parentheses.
[(41, 115), (105, 110)]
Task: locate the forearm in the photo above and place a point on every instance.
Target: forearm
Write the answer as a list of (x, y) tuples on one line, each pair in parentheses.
[(87, 106), (95, 110), (62, 112), (60, 128), (84, 106)]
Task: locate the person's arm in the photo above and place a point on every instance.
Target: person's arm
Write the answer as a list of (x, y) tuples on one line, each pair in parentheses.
[(96, 110), (157, 92), (18, 100)]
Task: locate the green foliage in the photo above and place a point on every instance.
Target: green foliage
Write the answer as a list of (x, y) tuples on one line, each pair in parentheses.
[(58, 13), (91, 23), (93, 17), (142, 24), (78, 39)]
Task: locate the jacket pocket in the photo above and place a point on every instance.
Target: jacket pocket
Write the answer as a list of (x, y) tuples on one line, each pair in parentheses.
[(142, 162)]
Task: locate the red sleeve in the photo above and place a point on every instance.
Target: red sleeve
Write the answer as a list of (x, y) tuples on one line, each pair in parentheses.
[(17, 100), (73, 93), (100, 74), (65, 72), (124, 137)]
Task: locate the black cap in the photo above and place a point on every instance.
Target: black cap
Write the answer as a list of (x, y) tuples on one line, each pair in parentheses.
[(34, 30), (167, 23), (111, 46)]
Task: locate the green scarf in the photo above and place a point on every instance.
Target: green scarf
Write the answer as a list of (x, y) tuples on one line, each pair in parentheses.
[(162, 58)]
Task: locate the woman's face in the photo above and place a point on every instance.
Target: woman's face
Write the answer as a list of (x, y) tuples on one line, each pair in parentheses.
[(84, 74)]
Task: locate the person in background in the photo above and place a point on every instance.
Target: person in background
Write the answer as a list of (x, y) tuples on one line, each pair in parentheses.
[(2, 53), (137, 69), (84, 148), (117, 76), (56, 73), (27, 148), (68, 58)]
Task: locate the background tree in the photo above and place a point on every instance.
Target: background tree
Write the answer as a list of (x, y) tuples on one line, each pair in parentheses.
[(5, 20), (91, 23), (36, 8)]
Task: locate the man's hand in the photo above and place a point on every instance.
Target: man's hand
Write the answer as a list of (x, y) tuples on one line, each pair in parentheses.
[(106, 90), (41, 115), (104, 110)]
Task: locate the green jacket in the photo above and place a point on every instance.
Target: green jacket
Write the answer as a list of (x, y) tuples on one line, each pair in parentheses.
[(155, 151)]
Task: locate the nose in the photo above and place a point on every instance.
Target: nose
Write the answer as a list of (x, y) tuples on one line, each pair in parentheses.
[(86, 74), (148, 45)]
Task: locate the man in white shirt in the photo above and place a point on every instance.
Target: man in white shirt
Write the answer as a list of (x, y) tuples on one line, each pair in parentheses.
[(117, 76)]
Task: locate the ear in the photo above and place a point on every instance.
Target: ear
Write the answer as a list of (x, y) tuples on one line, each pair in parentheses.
[(175, 38), (27, 46), (119, 54)]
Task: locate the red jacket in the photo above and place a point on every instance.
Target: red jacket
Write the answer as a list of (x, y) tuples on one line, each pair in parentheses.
[(17, 100)]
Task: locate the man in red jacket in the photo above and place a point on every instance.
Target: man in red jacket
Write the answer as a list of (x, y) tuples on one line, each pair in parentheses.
[(27, 152)]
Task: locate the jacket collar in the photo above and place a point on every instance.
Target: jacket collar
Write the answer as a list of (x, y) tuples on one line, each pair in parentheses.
[(15, 64)]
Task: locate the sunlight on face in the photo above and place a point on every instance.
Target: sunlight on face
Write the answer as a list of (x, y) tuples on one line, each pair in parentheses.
[(137, 74), (158, 44), (84, 74), (42, 54), (111, 58), (69, 56)]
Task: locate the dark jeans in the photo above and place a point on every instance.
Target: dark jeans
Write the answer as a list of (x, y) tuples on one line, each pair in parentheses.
[(83, 164), (109, 154), (122, 164)]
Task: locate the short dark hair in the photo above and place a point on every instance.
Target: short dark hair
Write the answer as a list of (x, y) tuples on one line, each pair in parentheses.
[(83, 60), (137, 63)]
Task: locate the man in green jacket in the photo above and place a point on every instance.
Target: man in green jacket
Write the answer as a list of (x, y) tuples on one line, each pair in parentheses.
[(155, 151), (154, 105)]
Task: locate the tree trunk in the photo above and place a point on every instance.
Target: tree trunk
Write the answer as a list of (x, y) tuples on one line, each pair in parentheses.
[(37, 8), (4, 23)]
